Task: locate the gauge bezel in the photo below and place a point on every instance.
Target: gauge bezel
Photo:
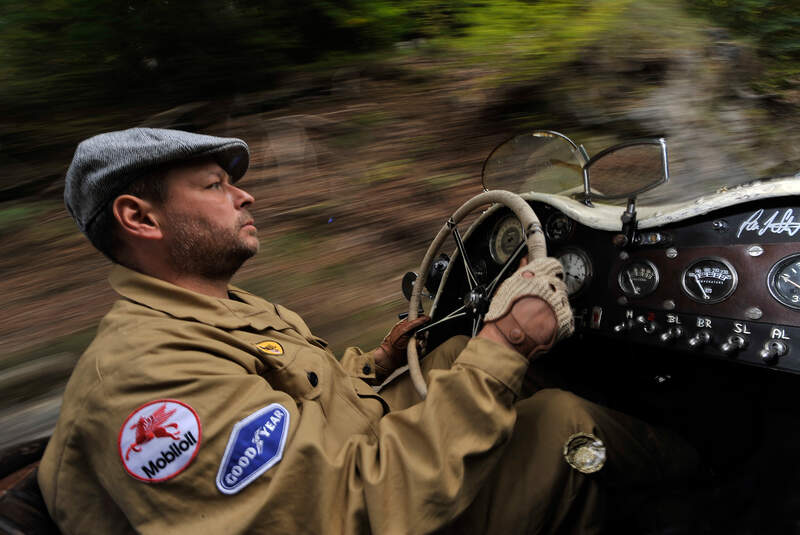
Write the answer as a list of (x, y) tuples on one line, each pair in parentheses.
[(494, 234), (734, 281), (648, 263), (587, 260), (550, 219), (771, 281)]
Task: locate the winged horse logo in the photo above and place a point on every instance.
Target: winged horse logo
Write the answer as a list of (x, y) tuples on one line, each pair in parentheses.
[(153, 426)]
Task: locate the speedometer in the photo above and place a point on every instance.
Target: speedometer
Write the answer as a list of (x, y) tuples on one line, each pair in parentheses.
[(784, 281), (506, 236)]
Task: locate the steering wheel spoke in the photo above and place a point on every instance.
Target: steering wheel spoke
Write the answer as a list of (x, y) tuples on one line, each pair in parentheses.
[(460, 312), (472, 280), (477, 321)]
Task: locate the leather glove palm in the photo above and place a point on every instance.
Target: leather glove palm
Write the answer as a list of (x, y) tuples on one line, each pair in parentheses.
[(391, 354)]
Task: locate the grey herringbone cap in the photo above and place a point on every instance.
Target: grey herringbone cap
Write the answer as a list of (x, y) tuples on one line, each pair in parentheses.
[(104, 165)]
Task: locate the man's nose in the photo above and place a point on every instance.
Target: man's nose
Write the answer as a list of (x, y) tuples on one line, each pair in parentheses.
[(241, 197)]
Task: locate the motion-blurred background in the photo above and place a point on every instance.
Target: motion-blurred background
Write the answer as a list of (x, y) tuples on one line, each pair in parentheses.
[(367, 120)]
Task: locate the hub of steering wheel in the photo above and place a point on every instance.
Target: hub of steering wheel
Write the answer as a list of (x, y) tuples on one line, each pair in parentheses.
[(476, 300)]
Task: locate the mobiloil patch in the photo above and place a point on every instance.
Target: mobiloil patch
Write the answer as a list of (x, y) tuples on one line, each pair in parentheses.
[(159, 440), (256, 445)]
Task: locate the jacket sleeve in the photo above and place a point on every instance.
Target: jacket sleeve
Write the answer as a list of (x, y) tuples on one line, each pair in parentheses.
[(338, 469), (362, 365)]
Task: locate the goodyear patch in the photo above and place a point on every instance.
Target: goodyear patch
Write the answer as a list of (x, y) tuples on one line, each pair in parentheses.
[(270, 347), (159, 440), (256, 445)]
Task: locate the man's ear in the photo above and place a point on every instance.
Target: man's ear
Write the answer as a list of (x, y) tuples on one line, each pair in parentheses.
[(137, 217)]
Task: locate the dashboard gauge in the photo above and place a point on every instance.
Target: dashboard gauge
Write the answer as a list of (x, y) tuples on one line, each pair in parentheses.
[(506, 236), (638, 278), (577, 269), (559, 227), (784, 281), (709, 280)]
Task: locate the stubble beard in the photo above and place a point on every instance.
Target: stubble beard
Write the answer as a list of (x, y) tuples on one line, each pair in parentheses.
[(198, 247)]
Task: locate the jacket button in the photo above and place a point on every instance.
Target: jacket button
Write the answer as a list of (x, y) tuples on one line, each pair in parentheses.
[(366, 369), (312, 378)]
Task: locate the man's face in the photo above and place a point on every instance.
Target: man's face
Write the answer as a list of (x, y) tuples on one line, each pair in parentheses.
[(206, 225)]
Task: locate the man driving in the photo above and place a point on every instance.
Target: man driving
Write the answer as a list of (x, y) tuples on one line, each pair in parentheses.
[(200, 407)]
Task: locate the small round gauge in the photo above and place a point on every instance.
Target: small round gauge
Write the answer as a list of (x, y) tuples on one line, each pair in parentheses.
[(506, 236), (559, 227), (709, 280), (638, 278), (577, 269), (783, 281)]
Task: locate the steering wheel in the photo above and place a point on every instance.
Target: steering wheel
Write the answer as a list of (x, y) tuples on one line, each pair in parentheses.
[(477, 299)]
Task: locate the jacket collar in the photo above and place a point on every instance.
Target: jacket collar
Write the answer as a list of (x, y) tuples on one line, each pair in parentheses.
[(251, 311)]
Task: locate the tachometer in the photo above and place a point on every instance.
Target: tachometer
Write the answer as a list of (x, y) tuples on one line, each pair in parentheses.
[(577, 269), (638, 278), (784, 281), (506, 236), (709, 280)]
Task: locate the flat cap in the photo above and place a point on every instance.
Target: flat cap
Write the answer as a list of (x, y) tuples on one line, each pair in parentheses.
[(106, 164)]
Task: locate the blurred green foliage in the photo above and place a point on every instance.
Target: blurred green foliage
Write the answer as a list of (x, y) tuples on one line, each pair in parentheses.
[(773, 24), (774, 27), (93, 52), (69, 67), (529, 38)]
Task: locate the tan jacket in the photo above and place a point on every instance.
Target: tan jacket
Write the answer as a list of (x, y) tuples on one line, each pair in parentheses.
[(189, 414)]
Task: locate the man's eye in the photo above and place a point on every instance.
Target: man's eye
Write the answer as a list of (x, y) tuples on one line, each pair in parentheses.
[(216, 185)]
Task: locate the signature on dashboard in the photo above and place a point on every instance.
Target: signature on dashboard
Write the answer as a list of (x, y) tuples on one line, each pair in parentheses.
[(785, 224)]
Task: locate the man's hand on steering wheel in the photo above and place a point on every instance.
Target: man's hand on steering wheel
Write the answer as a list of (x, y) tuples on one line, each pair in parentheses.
[(391, 354), (530, 311)]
